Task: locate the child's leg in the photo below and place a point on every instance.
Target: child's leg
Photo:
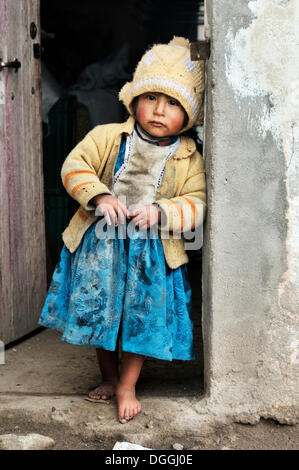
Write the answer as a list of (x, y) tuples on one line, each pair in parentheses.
[(128, 405), (108, 363)]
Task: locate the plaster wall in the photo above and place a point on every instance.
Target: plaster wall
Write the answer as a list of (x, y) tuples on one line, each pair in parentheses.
[(251, 243)]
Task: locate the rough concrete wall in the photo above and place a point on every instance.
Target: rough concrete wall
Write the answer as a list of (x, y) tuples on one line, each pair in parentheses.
[(251, 252)]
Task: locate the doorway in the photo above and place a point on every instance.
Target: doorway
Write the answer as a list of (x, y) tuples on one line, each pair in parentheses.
[(88, 54)]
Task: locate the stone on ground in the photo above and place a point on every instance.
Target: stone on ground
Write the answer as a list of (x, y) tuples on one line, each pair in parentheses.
[(177, 446), (128, 446), (25, 442)]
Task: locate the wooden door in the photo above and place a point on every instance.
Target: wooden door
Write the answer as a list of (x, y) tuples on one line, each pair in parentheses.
[(22, 233)]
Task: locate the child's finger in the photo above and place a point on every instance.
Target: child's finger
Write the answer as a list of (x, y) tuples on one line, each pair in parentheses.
[(137, 211), (138, 219), (123, 207), (107, 216), (121, 214), (125, 210), (110, 216), (113, 215), (143, 225)]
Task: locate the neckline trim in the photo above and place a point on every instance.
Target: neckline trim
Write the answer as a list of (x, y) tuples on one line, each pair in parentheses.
[(159, 141)]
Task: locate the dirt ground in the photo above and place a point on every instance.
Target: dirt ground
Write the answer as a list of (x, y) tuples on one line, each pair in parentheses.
[(266, 435), (44, 383)]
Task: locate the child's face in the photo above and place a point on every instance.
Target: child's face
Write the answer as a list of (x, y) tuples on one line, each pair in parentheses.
[(159, 114)]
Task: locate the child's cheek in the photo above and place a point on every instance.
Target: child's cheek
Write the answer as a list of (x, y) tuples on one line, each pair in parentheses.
[(177, 121), (141, 113)]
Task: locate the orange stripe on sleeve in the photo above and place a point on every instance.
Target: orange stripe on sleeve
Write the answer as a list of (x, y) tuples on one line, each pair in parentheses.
[(193, 206), (82, 215), (180, 211), (69, 175), (80, 186)]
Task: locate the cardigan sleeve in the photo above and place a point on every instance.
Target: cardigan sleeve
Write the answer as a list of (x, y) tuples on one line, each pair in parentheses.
[(79, 172), (185, 211)]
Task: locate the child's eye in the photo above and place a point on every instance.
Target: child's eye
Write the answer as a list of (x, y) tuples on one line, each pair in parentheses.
[(174, 102), (151, 97)]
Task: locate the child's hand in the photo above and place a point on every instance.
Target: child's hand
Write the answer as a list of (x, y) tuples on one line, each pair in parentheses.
[(146, 216), (109, 206)]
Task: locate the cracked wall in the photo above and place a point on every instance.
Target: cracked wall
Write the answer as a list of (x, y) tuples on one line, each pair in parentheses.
[(251, 250)]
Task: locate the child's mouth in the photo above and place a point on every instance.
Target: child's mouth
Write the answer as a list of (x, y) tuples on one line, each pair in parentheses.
[(157, 124)]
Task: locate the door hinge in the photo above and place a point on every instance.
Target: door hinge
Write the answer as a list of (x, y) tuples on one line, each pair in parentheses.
[(13, 64), (200, 50)]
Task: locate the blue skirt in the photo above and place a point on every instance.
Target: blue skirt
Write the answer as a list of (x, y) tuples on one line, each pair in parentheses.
[(121, 279)]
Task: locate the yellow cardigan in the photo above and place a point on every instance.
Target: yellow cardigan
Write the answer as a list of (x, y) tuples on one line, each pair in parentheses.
[(88, 171)]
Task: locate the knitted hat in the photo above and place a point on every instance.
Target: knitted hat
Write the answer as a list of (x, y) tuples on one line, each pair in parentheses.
[(167, 68)]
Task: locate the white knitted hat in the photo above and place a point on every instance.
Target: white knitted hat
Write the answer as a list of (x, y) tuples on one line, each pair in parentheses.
[(167, 68)]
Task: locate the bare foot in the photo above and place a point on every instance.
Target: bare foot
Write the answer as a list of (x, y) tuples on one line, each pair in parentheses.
[(104, 391), (128, 405)]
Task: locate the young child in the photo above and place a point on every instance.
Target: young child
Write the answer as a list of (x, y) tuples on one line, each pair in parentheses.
[(132, 288)]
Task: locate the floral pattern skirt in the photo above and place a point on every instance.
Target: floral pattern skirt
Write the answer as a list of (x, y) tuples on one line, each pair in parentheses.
[(122, 285)]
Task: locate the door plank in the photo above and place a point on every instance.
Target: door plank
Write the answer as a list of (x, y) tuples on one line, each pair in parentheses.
[(24, 266), (6, 291)]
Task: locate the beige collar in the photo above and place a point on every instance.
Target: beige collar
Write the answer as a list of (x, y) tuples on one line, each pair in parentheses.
[(186, 148)]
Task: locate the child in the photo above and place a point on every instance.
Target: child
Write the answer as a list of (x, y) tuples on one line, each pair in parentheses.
[(144, 174)]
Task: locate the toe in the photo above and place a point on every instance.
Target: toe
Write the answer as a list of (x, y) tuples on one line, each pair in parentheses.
[(123, 416), (124, 413), (96, 393)]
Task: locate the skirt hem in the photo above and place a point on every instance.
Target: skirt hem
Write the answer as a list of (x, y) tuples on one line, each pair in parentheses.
[(66, 340)]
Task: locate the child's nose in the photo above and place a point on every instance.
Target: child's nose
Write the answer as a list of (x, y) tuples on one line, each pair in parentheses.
[(160, 107)]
